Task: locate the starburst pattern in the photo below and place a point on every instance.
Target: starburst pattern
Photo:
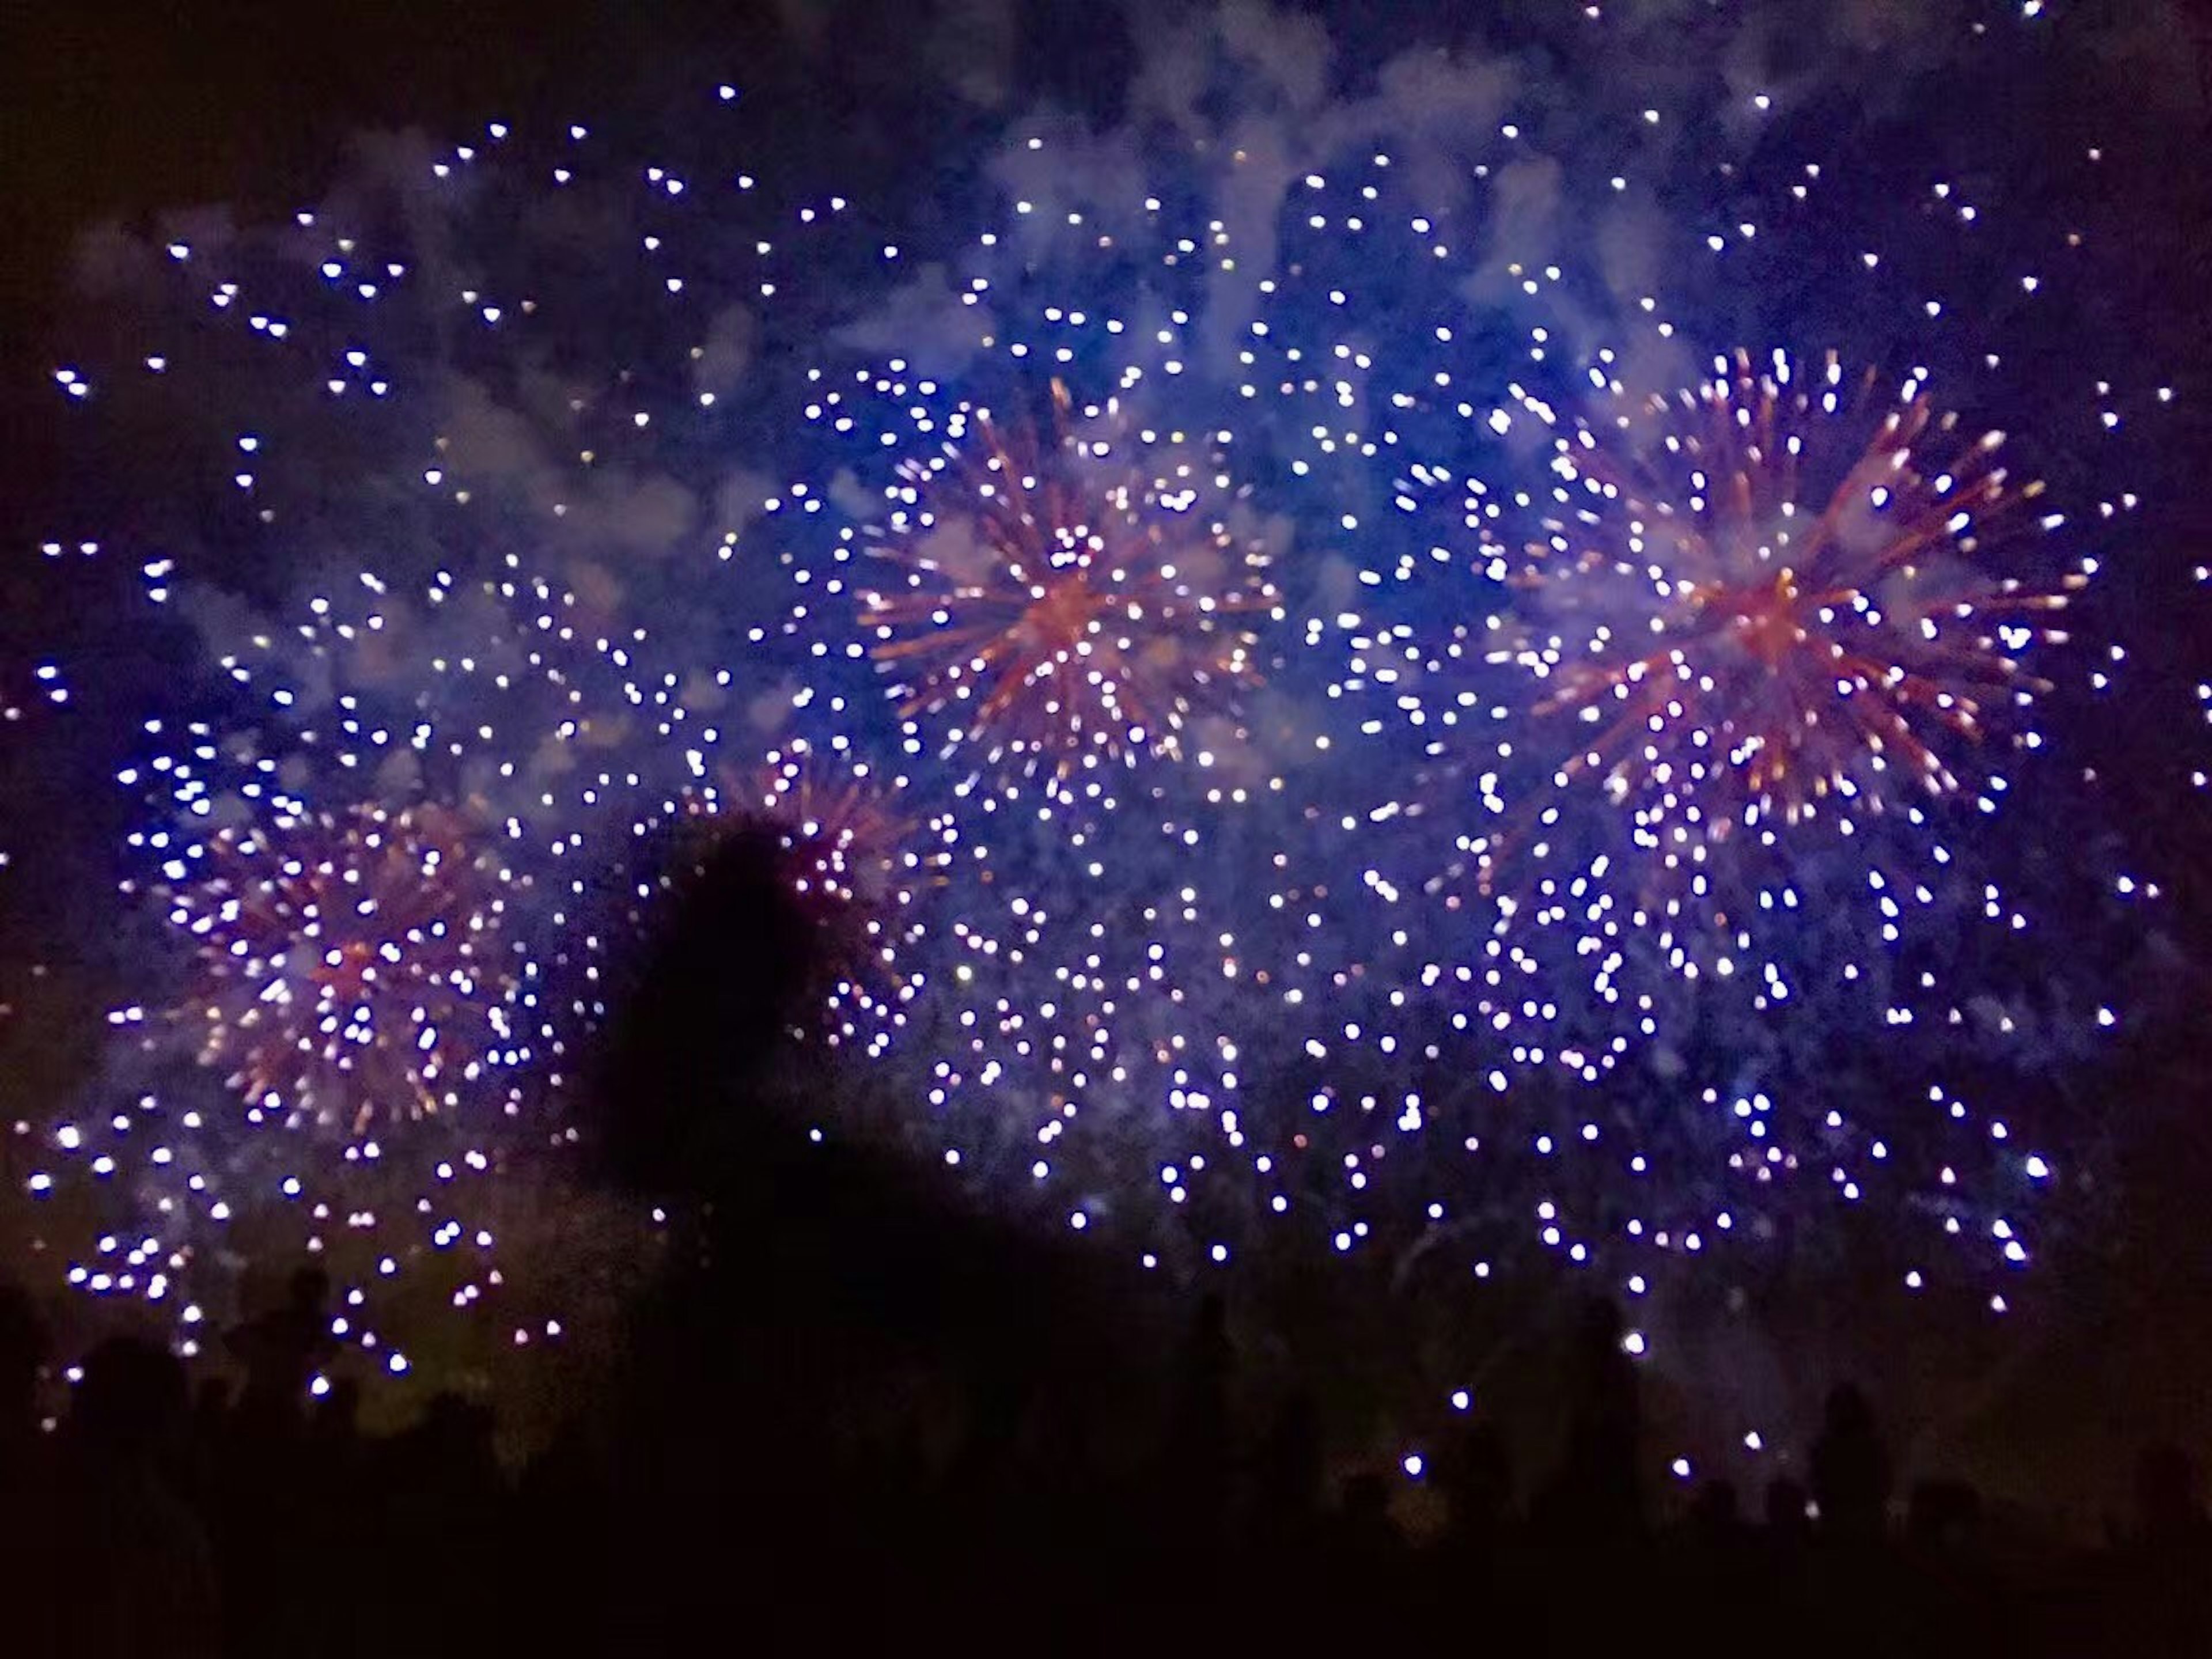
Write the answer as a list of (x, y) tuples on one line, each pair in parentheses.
[(1747, 625), (1061, 603), (347, 966)]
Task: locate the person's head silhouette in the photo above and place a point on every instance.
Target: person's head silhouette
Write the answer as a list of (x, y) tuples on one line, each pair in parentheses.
[(309, 1289), (22, 1349), (130, 1401)]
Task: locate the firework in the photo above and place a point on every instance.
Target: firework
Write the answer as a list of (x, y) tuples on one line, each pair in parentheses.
[(1747, 625), (522, 341), (1068, 623), (1637, 883), (552, 744), (348, 966), (1773, 631), (1061, 605), (449, 1243), (1288, 781)]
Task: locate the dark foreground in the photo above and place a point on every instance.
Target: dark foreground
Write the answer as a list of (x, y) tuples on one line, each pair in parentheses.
[(813, 1502)]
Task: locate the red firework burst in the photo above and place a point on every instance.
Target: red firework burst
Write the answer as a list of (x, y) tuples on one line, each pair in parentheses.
[(1769, 604), (348, 965), (1062, 600)]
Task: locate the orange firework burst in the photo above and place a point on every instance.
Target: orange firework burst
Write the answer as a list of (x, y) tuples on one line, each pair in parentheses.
[(1767, 606), (347, 965), (1064, 601)]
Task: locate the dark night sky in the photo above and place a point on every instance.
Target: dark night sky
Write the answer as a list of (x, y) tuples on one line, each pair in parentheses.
[(124, 109), (131, 106), (121, 109)]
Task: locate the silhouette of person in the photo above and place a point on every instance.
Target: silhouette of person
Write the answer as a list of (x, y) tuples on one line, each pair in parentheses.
[(1477, 1479), (130, 1570), (1364, 1530), (271, 1502), (1199, 1450), (725, 962), (2169, 1505), (1850, 1469), (26, 1461), (280, 1350), (211, 1412), (1596, 1493), (1786, 1526), (1942, 1516), (1287, 1473), (23, 1350), (1716, 1521), (2162, 1598), (442, 1480)]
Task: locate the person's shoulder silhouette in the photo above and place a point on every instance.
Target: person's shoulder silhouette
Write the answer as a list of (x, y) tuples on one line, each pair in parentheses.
[(1477, 1478), (1850, 1469), (22, 1350), (131, 1568), (280, 1347), (2169, 1499)]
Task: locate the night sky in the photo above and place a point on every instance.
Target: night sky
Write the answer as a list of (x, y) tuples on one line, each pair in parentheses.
[(918, 118)]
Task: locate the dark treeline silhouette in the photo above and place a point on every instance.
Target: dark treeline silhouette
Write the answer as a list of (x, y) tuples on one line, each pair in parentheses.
[(855, 1416)]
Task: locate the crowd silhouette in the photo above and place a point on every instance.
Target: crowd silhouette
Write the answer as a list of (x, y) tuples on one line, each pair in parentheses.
[(849, 1419), (744, 1497)]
